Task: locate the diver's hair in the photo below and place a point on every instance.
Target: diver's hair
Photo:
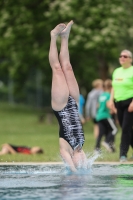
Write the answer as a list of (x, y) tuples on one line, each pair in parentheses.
[(97, 82), (128, 52), (108, 84)]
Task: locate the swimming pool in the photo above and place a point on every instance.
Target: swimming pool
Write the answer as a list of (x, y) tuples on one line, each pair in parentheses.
[(51, 182)]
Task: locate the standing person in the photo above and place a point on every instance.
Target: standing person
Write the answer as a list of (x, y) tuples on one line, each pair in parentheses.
[(81, 108), (106, 124), (122, 94), (65, 98), (92, 103)]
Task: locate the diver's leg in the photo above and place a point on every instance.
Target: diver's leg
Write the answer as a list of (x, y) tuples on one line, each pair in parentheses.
[(66, 65), (59, 89)]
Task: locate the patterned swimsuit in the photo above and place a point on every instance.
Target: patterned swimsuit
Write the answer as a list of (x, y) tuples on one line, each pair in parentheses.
[(70, 125)]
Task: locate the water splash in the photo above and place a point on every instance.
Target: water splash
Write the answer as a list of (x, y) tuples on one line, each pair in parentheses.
[(92, 157), (84, 167)]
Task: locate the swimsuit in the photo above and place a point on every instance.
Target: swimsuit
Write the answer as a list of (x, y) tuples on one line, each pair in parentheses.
[(70, 125), (21, 149)]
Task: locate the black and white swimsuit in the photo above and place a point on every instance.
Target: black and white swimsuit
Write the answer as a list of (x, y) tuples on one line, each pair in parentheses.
[(70, 126)]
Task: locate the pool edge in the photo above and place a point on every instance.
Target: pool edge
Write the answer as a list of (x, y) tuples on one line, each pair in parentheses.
[(60, 163)]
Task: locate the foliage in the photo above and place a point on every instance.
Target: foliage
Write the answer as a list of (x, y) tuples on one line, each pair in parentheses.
[(96, 35), (100, 31)]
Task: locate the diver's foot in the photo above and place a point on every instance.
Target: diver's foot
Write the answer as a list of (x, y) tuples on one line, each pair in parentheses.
[(57, 30), (66, 31)]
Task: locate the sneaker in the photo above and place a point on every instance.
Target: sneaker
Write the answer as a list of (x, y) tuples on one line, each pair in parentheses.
[(123, 159), (107, 147)]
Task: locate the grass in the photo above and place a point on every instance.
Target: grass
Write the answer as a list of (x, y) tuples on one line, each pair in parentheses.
[(19, 125)]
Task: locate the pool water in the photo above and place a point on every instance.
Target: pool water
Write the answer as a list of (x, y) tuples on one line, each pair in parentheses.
[(53, 182)]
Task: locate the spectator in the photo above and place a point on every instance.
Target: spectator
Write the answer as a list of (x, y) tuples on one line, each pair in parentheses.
[(106, 124), (122, 95), (92, 103)]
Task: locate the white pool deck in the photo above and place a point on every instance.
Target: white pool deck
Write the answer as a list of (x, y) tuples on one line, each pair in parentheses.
[(61, 163)]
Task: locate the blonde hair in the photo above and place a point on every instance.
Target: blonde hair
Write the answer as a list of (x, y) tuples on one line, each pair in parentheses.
[(96, 83)]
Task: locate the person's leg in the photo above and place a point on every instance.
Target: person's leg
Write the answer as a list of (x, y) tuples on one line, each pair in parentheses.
[(132, 138), (111, 131), (67, 154), (112, 126), (6, 148), (110, 139), (66, 65), (120, 113), (102, 131), (80, 159), (82, 119), (96, 130), (126, 132), (59, 90)]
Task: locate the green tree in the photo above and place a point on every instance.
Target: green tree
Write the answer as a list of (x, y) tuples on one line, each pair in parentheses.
[(100, 31), (24, 40), (97, 34)]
